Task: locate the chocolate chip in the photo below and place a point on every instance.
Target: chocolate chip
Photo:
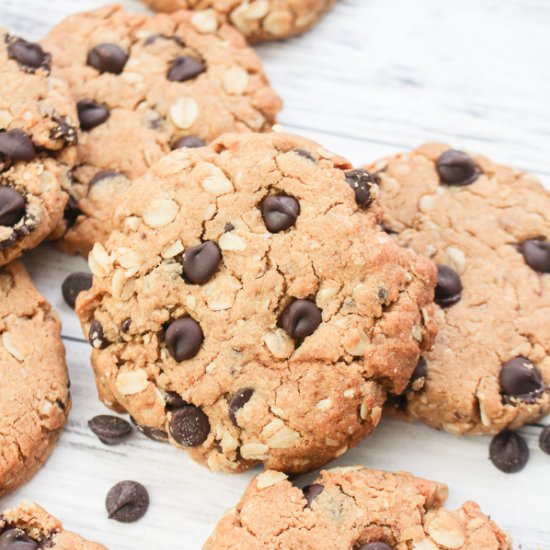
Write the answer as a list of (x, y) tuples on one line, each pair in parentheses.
[(17, 145), (184, 338), (239, 400), (63, 130), (91, 113), (311, 492), (127, 501), (536, 253), (449, 287), (300, 318), (189, 426), (96, 336), (71, 212), (520, 379), (398, 402), (544, 440), (184, 68), (201, 262), (107, 58), (174, 400), (154, 37), (387, 229), (17, 539), (105, 175), (419, 375), (378, 545), (306, 154), (152, 433), (361, 182), (188, 141), (456, 168), (12, 206), (110, 429), (74, 284), (279, 212), (509, 452), (125, 326), (28, 54)]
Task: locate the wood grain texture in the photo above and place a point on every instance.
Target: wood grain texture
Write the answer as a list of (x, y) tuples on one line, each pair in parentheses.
[(373, 78)]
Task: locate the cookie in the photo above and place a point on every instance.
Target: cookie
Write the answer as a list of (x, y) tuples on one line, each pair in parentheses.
[(30, 527), (353, 508), (143, 86), (35, 396), (258, 20), (37, 137), (249, 309), (487, 227)]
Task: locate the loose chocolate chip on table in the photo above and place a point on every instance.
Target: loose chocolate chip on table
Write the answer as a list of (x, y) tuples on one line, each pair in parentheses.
[(184, 68), (311, 492), (96, 336), (110, 429), (508, 452), (239, 400), (189, 426), (107, 58), (91, 113), (184, 338), (304, 153), (449, 287), (519, 378), (12, 206), (28, 54), (17, 539), (456, 168), (74, 284), (279, 212), (127, 501), (536, 253), (361, 182), (17, 145), (104, 175), (201, 262), (379, 545), (300, 318), (188, 141), (544, 440)]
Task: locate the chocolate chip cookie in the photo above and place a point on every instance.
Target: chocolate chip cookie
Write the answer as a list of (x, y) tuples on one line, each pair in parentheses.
[(35, 396), (37, 137), (30, 527), (146, 85), (258, 20), (248, 307), (353, 508), (488, 228)]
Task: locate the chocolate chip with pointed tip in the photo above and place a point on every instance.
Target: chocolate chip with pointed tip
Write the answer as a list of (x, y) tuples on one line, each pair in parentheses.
[(279, 212), (185, 68), (29, 55), (17, 539), (12, 206), (107, 58), (110, 429), (238, 401), (91, 113), (448, 290), (74, 284), (201, 262), (127, 501), (520, 379), (457, 168), (311, 492), (361, 181), (508, 451), (191, 142), (184, 338), (96, 336), (536, 253), (189, 426), (300, 318), (17, 145)]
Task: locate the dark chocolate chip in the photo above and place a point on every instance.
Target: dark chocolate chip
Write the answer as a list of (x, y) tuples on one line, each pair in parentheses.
[(12, 206), (509, 452), (239, 400), (96, 336), (74, 284), (449, 287), (28, 54), (398, 402), (419, 375), (110, 429), (456, 168), (127, 501), (91, 113), (279, 212), (63, 130), (152, 433), (387, 229), (105, 175), (71, 212), (536, 253), (189, 426), (154, 37), (361, 182), (311, 492), (107, 58), (520, 379), (300, 318), (306, 154), (201, 262), (378, 545), (174, 400), (17, 145), (185, 68), (188, 141), (544, 440), (184, 338), (17, 539), (125, 326)]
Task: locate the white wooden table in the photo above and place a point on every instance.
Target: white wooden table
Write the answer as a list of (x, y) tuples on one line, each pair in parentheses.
[(376, 76)]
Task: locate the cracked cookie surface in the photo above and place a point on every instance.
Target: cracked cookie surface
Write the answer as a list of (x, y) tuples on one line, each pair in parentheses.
[(353, 508), (38, 131), (143, 86), (488, 227), (29, 527), (258, 20), (35, 396), (247, 307)]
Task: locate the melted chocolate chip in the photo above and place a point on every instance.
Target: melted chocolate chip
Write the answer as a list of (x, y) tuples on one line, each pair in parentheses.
[(107, 58), (17, 539), (361, 182), (508, 451), (238, 401), (300, 318), (201, 262), (74, 284), (127, 501), (110, 429), (12, 206), (456, 168), (184, 338), (17, 145), (279, 212), (96, 336), (520, 379), (189, 426), (91, 113), (311, 492), (185, 68), (29, 55), (536, 253), (188, 141), (449, 287), (306, 154), (544, 440)]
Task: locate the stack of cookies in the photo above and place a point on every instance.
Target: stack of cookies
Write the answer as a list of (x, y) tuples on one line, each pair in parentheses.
[(254, 299)]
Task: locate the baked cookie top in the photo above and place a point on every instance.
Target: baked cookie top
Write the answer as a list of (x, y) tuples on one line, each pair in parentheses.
[(143, 86), (353, 508), (30, 527), (249, 308), (488, 228), (258, 20), (37, 134), (35, 396)]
